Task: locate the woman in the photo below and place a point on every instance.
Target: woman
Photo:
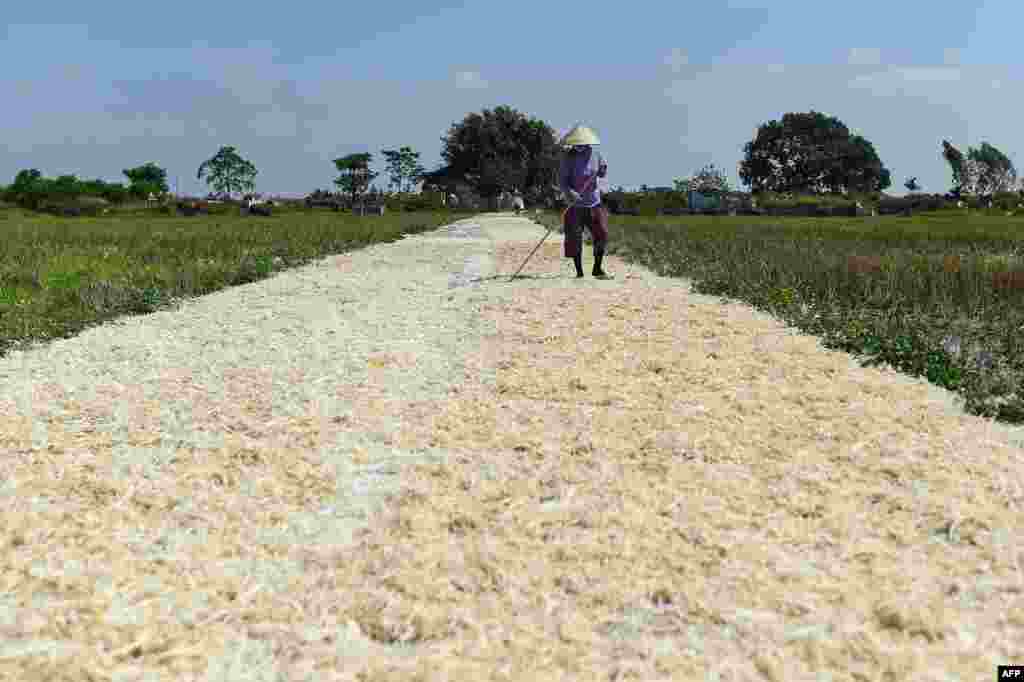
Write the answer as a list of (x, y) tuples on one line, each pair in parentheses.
[(580, 169)]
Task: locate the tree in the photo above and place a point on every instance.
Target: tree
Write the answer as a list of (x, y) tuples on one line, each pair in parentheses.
[(708, 180), (984, 172), (911, 184), (145, 179), (955, 159), (228, 172), (502, 149), (995, 172), (114, 192), (66, 186), (356, 175), (25, 180), (811, 153), (971, 173), (28, 188), (403, 167)]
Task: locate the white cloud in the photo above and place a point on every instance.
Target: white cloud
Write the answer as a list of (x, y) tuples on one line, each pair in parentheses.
[(677, 59), (865, 56), (469, 80), (896, 81)]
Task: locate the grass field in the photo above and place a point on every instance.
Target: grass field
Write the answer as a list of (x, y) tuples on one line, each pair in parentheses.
[(937, 295)]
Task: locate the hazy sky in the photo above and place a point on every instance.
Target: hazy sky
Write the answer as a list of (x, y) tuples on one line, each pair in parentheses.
[(92, 88)]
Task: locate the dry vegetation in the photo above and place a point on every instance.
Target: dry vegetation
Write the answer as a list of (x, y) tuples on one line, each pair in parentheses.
[(655, 486)]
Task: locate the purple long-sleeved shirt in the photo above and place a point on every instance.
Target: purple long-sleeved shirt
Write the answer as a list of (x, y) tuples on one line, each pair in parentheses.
[(579, 171)]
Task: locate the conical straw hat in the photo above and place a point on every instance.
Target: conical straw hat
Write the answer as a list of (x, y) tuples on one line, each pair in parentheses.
[(580, 135)]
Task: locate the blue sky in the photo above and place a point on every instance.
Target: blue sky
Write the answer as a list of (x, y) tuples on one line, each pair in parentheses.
[(97, 87)]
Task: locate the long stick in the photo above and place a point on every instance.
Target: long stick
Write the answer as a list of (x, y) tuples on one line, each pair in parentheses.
[(533, 252)]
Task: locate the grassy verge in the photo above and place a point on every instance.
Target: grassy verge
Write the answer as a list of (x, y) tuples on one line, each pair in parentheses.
[(937, 295), (59, 276)]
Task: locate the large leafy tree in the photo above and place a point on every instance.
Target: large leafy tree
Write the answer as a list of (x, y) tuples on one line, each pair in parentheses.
[(28, 187), (983, 172), (502, 149), (228, 172), (356, 175), (544, 154), (146, 178), (26, 180), (403, 167), (811, 153), (995, 172)]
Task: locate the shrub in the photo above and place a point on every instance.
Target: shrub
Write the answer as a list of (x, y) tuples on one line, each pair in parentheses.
[(615, 201), (1006, 201), (778, 200), (866, 198), (31, 190), (894, 205), (925, 202), (973, 201), (643, 203), (648, 206), (768, 199), (912, 202), (77, 206), (823, 200), (115, 193)]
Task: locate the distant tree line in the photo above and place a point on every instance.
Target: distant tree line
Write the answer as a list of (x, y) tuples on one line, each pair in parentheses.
[(30, 188), (501, 150)]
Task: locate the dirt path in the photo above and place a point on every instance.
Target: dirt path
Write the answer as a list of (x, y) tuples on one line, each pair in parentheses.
[(639, 483)]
